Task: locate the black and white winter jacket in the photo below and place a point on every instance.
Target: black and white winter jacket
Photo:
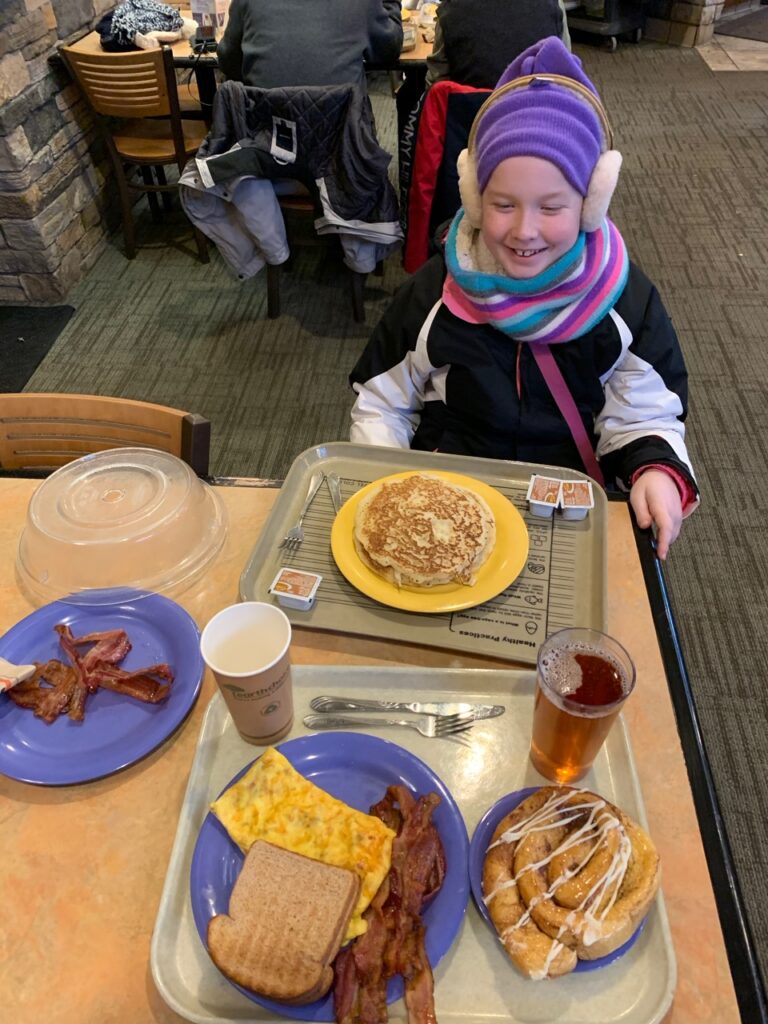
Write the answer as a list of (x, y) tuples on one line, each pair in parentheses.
[(431, 381)]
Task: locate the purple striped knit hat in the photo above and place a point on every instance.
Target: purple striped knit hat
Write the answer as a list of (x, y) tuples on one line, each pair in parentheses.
[(543, 119)]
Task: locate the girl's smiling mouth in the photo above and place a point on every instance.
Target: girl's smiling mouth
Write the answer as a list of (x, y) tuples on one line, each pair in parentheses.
[(526, 253)]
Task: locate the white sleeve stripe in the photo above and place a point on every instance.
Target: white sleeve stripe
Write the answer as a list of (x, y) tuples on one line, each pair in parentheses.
[(673, 439), (625, 336), (638, 403), (388, 406), (421, 359)]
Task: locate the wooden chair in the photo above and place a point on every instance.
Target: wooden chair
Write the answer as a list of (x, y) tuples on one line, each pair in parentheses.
[(138, 88), (41, 432)]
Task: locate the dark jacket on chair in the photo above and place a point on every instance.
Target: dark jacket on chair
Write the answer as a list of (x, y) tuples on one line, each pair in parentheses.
[(272, 43), (322, 137)]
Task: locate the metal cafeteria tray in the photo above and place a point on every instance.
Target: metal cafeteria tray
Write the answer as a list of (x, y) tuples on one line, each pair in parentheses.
[(475, 981), (562, 584)]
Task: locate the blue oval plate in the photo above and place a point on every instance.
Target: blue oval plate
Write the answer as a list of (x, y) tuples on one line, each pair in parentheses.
[(117, 730), (477, 850), (357, 769)]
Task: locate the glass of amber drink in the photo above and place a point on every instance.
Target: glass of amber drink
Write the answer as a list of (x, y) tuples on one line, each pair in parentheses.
[(584, 677)]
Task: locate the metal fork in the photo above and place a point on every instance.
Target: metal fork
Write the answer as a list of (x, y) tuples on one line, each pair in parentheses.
[(432, 726), (295, 535)]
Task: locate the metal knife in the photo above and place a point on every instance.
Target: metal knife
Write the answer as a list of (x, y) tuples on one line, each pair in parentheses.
[(450, 707), (334, 486)]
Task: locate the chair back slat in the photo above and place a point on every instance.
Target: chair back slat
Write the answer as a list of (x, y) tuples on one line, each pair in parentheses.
[(45, 431), (139, 87), (123, 84)]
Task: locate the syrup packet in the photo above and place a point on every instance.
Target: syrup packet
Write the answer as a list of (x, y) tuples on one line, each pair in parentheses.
[(576, 498), (295, 588), (543, 495)]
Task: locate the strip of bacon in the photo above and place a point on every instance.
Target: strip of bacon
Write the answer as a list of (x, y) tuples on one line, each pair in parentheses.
[(110, 646), (394, 941), (48, 692), (57, 687), (135, 684), (25, 694), (420, 986)]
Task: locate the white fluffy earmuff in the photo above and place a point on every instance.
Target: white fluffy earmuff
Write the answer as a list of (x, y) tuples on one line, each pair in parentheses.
[(469, 190), (602, 185)]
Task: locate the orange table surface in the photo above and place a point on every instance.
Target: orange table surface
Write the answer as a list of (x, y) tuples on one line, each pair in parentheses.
[(84, 866)]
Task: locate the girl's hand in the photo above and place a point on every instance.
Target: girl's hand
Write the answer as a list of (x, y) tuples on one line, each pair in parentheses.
[(656, 499)]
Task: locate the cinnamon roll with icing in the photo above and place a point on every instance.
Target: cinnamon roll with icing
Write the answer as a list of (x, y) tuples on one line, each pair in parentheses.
[(567, 876)]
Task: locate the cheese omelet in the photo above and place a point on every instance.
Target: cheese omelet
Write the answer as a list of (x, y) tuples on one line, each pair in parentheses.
[(276, 803)]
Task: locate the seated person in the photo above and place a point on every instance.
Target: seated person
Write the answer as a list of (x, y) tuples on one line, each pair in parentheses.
[(533, 337), (476, 39), (308, 42)]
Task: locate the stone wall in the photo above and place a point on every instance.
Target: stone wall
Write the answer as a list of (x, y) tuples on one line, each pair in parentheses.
[(54, 212)]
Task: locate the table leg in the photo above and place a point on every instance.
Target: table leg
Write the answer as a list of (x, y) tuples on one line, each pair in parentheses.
[(206, 87)]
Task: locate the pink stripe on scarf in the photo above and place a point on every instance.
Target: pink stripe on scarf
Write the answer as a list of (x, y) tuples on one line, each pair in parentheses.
[(610, 284), (459, 303)]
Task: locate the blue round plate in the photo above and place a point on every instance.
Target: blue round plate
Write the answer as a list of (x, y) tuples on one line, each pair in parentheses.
[(478, 847), (357, 769), (117, 730)]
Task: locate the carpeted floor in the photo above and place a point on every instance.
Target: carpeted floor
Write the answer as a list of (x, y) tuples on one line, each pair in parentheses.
[(166, 328), (26, 335), (749, 26), (693, 206)]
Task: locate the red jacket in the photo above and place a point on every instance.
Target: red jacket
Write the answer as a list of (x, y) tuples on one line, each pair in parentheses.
[(428, 156)]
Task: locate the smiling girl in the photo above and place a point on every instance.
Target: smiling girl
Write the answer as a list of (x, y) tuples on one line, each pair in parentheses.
[(533, 337)]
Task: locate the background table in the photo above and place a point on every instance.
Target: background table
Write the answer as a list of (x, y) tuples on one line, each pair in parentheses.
[(205, 65), (84, 865)]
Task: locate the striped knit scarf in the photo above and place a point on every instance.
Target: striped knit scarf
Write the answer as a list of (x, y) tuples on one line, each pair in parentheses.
[(560, 304)]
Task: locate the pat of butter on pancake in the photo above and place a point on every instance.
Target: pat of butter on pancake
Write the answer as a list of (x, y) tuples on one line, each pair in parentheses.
[(274, 802)]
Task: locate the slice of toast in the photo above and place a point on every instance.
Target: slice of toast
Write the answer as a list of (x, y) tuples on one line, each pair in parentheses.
[(287, 918)]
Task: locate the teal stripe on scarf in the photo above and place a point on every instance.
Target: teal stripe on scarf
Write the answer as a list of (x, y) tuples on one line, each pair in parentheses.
[(479, 283), (562, 303)]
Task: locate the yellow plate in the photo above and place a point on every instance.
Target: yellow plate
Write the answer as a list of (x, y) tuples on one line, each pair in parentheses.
[(502, 566)]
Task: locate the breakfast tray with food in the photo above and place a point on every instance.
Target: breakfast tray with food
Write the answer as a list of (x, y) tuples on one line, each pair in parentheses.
[(543, 573), (474, 979)]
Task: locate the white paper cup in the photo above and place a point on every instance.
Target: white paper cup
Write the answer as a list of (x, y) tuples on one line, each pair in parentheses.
[(247, 647)]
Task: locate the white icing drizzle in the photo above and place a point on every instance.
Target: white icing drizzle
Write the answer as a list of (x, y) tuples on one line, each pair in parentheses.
[(592, 831)]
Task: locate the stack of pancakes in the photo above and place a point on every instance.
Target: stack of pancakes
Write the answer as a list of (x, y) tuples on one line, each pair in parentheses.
[(422, 531)]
